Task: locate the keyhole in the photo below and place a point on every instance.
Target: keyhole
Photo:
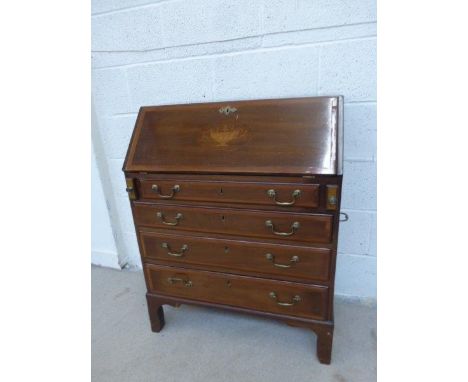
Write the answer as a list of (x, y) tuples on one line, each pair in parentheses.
[(228, 283), (226, 249), (222, 218), (221, 191)]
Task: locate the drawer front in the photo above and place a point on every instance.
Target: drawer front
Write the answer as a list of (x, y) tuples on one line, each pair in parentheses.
[(277, 260), (247, 292), (274, 194), (273, 225)]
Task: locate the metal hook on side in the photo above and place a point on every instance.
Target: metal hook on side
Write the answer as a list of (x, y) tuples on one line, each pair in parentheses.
[(346, 217)]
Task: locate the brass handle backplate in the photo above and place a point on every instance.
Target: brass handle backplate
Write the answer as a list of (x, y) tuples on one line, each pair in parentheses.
[(155, 189), (293, 261), (294, 227), (296, 299), (272, 194), (175, 254), (173, 280), (160, 216)]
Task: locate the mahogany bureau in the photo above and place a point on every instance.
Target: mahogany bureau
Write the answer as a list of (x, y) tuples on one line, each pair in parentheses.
[(237, 205)]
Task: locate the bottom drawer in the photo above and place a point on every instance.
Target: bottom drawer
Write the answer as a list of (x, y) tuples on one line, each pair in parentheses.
[(282, 297)]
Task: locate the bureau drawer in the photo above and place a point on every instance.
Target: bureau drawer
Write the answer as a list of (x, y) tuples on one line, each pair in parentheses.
[(273, 225), (260, 294), (274, 194), (277, 260)]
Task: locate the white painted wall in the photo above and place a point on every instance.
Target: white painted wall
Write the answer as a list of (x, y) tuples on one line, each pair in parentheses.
[(182, 51), (103, 250)]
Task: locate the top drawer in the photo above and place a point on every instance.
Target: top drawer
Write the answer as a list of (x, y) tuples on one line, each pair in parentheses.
[(274, 194)]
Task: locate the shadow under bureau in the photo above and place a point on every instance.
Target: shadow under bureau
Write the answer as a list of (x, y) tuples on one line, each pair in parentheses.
[(236, 205)]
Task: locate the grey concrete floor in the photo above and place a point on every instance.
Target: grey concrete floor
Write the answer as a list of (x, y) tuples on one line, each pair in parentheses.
[(201, 344)]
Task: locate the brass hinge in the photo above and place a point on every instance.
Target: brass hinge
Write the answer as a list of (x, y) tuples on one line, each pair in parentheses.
[(131, 188)]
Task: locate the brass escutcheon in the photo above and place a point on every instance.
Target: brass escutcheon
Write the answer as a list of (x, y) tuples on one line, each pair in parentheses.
[(227, 110)]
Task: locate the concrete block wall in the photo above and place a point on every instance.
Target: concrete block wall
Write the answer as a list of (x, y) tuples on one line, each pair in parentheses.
[(180, 51)]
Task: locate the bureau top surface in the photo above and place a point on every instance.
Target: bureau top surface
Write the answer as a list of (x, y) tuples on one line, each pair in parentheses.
[(295, 136)]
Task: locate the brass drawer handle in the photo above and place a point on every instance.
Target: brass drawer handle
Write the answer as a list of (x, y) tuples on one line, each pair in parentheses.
[(296, 299), (175, 254), (293, 261), (162, 218), (272, 194), (155, 189), (173, 280), (294, 227)]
